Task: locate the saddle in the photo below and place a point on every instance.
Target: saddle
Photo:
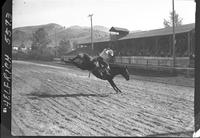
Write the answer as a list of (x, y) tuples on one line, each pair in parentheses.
[(102, 66)]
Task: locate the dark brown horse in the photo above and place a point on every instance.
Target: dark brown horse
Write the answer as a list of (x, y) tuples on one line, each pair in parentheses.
[(85, 62)]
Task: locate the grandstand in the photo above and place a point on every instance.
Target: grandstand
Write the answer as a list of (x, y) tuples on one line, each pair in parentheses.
[(151, 48)]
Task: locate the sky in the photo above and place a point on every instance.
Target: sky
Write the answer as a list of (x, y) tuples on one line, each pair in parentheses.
[(130, 14)]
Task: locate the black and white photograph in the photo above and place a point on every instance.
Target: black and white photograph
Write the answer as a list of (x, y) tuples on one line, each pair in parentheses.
[(103, 68)]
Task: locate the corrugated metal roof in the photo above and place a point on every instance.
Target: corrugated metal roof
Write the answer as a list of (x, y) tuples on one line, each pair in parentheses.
[(118, 29), (160, 32)]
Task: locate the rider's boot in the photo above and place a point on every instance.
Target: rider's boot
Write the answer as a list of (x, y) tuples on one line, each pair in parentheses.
[(107, 68)]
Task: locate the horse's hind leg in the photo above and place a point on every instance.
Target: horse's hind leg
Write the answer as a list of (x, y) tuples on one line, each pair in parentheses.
[(114, 86)]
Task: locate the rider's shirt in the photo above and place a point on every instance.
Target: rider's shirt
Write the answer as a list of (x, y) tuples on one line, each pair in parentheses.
[(106, 53)]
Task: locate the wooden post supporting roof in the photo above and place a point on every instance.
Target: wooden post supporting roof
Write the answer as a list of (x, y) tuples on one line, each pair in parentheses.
[(189, 43), (170, 43), (156, 39)]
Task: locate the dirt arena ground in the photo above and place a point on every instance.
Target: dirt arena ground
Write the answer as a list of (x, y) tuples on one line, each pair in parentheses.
[(60, 100)]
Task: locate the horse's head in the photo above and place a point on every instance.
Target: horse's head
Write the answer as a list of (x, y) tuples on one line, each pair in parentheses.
[(125, 73)]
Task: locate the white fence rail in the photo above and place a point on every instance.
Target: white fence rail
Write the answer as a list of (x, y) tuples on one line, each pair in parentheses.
[(148, 61), (154, 61)]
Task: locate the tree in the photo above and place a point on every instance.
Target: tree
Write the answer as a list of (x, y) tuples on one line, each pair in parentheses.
[(75, 45), (177, 20), (21, 46), (64, 47), (39, 50), (40, 40)]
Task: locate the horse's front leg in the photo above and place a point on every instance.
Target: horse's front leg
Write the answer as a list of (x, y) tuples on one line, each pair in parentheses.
[(114, 86)]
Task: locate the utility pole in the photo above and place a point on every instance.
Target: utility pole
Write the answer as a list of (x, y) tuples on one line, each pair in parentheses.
[(55, 41), (90, 15), (174, 39)]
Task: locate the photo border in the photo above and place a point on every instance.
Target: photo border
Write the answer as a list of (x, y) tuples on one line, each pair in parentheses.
[(6, 66), (6, 73), (197, 68)]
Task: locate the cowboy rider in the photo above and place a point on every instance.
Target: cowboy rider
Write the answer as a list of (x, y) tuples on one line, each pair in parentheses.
[(104, 57)]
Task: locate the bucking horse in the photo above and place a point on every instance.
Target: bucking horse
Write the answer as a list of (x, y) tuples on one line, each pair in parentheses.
[(86, 62)]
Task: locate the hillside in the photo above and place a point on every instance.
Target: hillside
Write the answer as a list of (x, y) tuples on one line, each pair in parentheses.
[(57, 32)]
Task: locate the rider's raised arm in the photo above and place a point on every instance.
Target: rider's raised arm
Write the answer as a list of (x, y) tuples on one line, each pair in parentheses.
[(111, 53)]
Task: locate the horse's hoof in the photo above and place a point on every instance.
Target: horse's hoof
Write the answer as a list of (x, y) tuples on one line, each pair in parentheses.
[(118, 92)]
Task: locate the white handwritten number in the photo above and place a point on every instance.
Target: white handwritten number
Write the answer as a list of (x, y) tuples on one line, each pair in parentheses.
[(7, 23), (8, 32), (7, 39), (8, 15)]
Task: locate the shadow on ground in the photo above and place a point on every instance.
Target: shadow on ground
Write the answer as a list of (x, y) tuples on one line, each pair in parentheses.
[(44, 95)]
